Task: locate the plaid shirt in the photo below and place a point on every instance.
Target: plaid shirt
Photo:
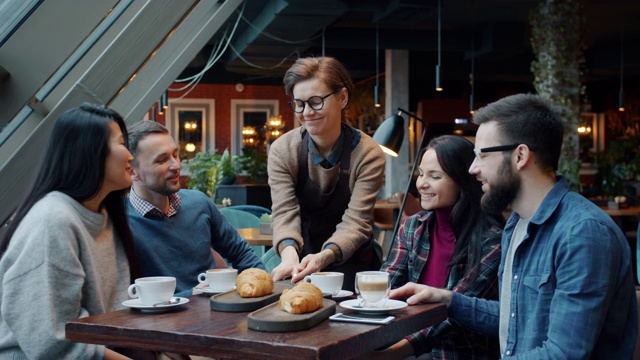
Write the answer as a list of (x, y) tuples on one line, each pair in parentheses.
[(143, 207), (405, 263)]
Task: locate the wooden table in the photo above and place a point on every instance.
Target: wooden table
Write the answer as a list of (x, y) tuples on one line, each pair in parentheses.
[(385, 204), (255, 238), (629, 211), (195, 329), (617, 215)]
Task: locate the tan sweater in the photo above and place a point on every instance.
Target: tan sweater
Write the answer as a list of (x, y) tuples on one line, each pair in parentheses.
[(365, 182)]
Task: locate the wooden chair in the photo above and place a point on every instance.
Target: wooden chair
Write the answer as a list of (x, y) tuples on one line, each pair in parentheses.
[(383, 220), (219, 260), (412, 206)]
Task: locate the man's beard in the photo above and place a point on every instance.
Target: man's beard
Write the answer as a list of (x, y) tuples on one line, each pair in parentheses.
[(502, 193), (164, 189)]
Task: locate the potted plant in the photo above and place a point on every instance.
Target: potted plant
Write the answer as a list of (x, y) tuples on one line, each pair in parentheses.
[(254, 164), (204, 172), (229, 168), (208, 169), (618, 168), (265, 224)]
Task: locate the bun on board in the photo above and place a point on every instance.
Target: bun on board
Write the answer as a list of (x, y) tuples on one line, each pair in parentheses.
[(254, 283), (302, 298)]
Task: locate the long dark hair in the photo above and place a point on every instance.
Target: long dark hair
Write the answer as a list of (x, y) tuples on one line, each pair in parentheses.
[(468, 221), (73, 163)]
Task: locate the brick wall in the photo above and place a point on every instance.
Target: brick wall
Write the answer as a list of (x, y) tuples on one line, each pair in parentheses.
[(223, 94)]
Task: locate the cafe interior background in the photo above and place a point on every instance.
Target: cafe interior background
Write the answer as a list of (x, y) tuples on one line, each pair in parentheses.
[(211, 71)]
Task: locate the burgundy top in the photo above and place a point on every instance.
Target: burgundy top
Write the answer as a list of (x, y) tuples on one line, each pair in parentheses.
[(442, 241)]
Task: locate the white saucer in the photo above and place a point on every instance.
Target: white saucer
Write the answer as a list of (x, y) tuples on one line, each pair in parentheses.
[(389, 306), (342, 294), (136, 304)]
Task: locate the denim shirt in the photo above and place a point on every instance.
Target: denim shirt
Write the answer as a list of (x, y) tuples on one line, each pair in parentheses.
[(572, 287)]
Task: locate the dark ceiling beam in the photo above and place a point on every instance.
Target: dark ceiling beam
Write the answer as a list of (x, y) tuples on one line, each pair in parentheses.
[(260, 23), (407, 12)]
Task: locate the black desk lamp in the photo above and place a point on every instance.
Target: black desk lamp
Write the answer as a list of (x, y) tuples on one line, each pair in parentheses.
[(389, 136)]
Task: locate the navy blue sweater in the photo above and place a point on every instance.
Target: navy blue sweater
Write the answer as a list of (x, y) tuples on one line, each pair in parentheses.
[(180, 245)]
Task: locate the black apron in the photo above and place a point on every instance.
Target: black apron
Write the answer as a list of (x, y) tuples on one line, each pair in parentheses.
[(320, 213)]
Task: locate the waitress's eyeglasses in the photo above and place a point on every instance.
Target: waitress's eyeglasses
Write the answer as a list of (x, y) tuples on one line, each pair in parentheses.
[(315, 102)]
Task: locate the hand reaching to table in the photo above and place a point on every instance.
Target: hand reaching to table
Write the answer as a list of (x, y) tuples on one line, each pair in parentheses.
[(418, 294), (292, 266), (288, 264)]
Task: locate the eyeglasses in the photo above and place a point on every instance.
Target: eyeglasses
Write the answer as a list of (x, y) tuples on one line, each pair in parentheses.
[(315, 102), (495, 149)]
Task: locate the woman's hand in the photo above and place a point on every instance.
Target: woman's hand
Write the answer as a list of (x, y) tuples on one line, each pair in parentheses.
[(313, 263), (288, 265)]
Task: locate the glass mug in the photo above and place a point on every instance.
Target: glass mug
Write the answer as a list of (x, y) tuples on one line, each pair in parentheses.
[(372, 288)]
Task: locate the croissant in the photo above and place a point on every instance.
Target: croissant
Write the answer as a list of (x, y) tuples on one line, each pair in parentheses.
[(302, 298), (254, 283)]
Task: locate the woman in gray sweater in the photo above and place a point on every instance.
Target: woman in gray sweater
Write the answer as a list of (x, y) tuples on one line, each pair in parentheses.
[(67, 253)]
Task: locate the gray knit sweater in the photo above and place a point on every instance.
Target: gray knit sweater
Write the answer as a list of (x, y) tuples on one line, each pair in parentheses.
[(63, 262)]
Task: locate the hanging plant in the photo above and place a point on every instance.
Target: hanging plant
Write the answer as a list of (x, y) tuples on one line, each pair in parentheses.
[(361, 112), (557, 43)]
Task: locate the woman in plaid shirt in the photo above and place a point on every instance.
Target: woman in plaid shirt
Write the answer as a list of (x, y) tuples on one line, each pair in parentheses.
[(452, 244)]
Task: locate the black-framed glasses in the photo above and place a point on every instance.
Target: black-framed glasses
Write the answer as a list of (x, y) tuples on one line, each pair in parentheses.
[(315, 102), (494, 149)]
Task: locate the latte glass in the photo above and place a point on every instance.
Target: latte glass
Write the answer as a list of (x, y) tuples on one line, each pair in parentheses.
[(373, 288)]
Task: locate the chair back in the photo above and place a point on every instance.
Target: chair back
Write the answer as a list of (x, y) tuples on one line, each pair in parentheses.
[(412, 206), (240, 219), (220, 262), (638, 255), (636, 353), (254, 209), (383, 218), (270, 260)]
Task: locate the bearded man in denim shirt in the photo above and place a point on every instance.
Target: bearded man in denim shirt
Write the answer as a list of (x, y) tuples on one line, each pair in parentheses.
[(566, 283)]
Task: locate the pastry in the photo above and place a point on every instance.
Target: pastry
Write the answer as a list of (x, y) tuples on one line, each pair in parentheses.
[(302, 298), (254, 283)]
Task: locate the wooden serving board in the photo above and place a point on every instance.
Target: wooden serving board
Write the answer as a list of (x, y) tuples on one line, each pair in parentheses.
[(272, 319), (232, 301)]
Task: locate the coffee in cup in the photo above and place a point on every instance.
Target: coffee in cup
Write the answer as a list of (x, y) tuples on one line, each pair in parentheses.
[(219, 279), (153, 290), (328, 282), (373, 287)]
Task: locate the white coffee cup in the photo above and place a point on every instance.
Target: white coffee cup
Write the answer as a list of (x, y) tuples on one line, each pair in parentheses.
[(219, 279), (328, 282), (373, 287), (153, 290)]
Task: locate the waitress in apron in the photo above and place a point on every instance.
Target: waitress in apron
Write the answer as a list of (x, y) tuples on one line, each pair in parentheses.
[(324, 178)]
